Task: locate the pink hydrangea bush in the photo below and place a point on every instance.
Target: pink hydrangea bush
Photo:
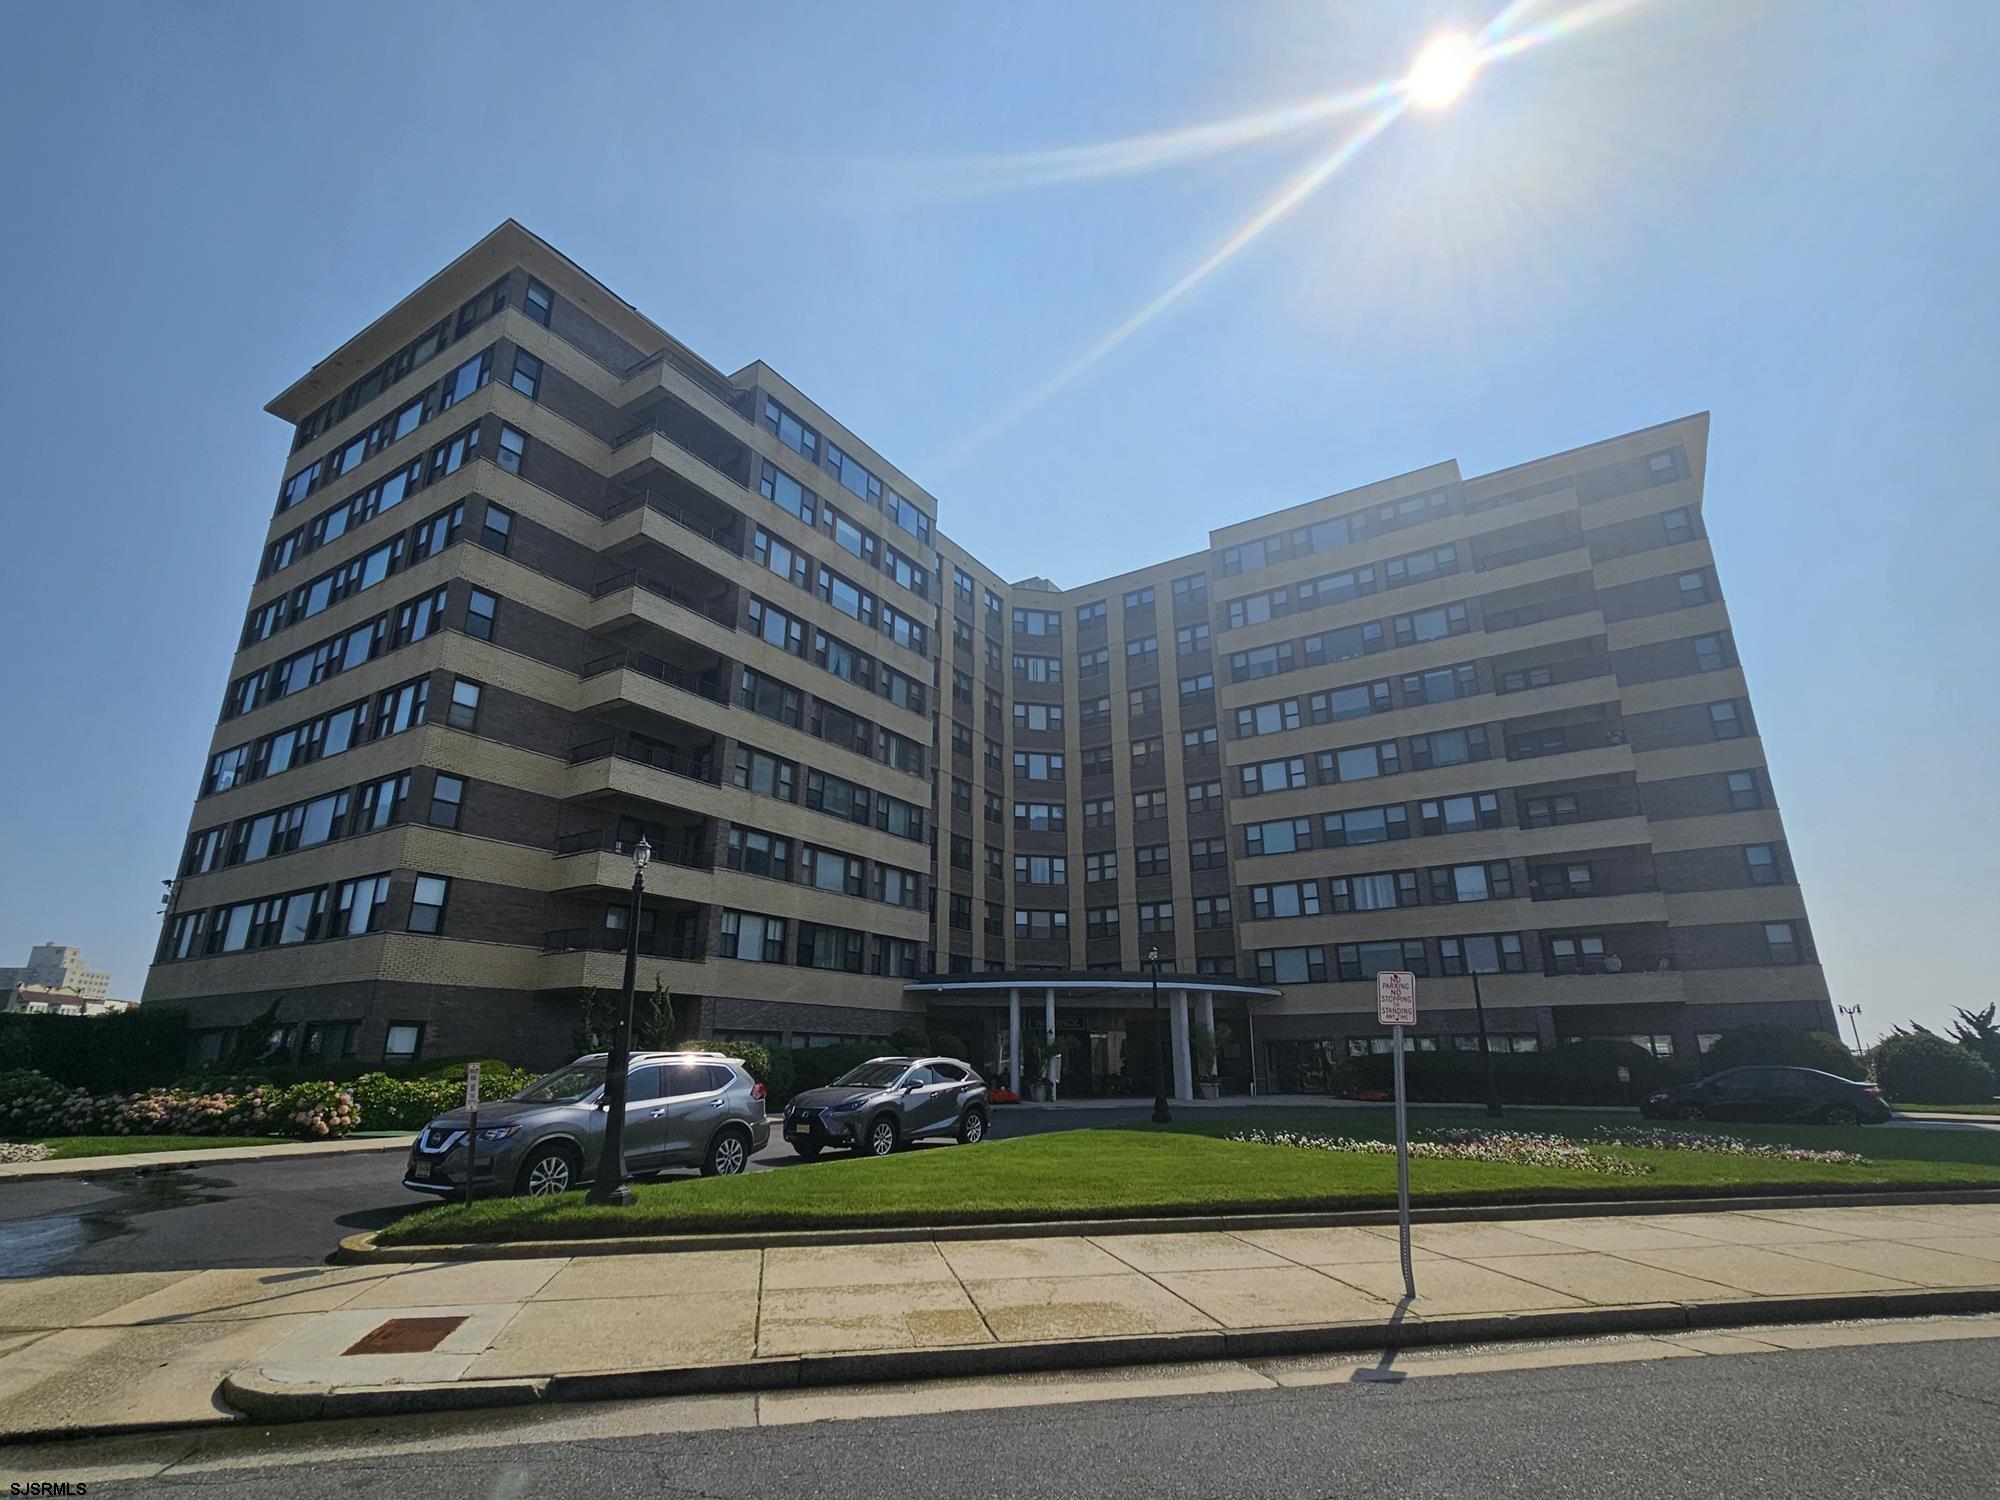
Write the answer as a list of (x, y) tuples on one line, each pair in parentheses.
[(31, 1105)]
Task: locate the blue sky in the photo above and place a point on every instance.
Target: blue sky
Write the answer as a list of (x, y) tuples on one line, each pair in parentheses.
[(1780, 213)]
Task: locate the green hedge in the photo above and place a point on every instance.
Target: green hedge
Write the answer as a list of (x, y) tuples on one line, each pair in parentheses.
[(1929, 1070), (1580, 1073), (134, 1049), (1783, 1047)]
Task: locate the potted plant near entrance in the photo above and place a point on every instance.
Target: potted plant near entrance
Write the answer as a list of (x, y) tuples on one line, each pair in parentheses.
[(1036, 1050), (1206, 1044)]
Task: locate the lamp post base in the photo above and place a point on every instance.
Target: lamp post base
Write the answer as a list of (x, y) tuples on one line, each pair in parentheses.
[(617, 1197), (1161, 1114)]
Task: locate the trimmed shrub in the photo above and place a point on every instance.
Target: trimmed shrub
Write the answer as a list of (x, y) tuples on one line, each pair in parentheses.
[(1783, 1047), (1579, 1073), (411, 1103), (1927, 1069), (134, 1049), (815, 1067), (772, 1069)]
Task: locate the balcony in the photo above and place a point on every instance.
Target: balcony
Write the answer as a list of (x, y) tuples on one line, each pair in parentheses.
[(714, 609), (1598, 887), (1498, 620), (726, 537), (686, 948), (1530, 553), (688, 853), (1611, 964), (695, 764), (706, 683)]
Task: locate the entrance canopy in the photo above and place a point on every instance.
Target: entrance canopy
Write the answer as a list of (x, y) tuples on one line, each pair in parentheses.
[(1097, 988)]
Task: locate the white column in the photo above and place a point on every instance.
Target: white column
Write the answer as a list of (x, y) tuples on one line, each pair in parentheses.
[(1183, 1062), (1014, 1040), (1049, 1014)]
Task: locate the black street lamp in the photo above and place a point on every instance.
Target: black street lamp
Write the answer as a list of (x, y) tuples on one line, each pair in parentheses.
[(609, 1185), (1479, 1009), (1161, 1114)]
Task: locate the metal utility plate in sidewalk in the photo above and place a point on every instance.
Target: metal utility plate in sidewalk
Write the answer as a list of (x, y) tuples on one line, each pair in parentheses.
[(405, 1336)]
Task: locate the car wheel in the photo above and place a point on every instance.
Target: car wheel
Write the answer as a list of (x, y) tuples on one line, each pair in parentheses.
[(1840, 1114), (1690, 1112), (549, 1170), (881, 1137), (807, 1149), (728, 1154), (972, 1127)]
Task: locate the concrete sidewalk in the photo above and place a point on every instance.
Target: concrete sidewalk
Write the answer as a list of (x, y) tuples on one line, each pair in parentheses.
[(91, 1166), (96, 1353)]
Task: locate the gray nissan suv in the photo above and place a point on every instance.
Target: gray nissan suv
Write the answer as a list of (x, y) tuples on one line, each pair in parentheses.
[(887, 1101), (683, 1109)]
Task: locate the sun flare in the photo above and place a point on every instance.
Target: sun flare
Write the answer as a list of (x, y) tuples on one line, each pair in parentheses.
[(1443, 70)]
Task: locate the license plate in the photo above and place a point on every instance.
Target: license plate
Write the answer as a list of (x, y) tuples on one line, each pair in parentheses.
[(792, 1127), (421, 1171)]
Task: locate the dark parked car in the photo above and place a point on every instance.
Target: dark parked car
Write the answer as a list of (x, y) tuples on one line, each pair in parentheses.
[(683, 1109), (888, 1101), (1780, 1094)]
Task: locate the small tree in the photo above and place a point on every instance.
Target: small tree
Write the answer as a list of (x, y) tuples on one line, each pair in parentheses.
[(1975, 1031), (1929, 1070), (593, 1021), (253, 1040), (654, 1026)]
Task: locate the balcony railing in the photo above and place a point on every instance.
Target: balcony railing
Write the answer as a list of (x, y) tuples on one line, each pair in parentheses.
[(679, 514), (696, 766), (1609, 964), (612, 940), (1580, 738), (1528, 553), (716, 387), (633, 578), (1633, 885), (687, 853), (653, 429), (706, 683), (1534, 614)]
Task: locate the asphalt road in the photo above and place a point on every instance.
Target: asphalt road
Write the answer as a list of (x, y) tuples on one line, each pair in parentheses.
[(1890, 1419), (284, 1213)]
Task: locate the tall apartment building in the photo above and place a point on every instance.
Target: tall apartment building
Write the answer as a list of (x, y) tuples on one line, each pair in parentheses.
[(55, 967), (540, 581)]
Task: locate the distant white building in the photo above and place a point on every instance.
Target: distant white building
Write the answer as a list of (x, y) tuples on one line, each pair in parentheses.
[(37, 1001), (52, 967)]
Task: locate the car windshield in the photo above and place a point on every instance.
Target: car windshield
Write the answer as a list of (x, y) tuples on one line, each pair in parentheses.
[(565, 1085), (871, 1075)]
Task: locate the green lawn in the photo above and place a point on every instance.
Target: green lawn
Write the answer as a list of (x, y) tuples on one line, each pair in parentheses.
[(66, 1146), (1188, 1169)]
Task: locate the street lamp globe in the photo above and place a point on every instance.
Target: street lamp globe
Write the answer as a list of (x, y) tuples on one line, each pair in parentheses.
[(643, 855)]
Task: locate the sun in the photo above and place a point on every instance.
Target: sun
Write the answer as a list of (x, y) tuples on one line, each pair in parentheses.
[(1442, 70)]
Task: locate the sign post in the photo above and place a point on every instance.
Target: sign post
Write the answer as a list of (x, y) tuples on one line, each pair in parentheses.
[(1396, 1007), (473, 1121)]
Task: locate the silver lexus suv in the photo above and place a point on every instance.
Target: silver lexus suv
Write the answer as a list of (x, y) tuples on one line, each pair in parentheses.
[(888, 1101), (683, 1109)]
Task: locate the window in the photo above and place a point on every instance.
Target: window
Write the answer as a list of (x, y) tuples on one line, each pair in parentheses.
[(479, 615), (1272, 776), (1299, 898), (1482, 882), (1191, 589), (960, 916), (1037, 668), (1495, 953), (1211, 912), (1441, 686), (1148, 753), (497, 529), (1037, 622), (994, 862), (1100, 867), (1097, 761), (990, 924), (1196, 742), (755, 852), (1142, 701), (1100, 814), (403, 1042), (961, 795), (1038, 716), (436, 533), (1711, 653), (1678, 524), (1353, 702), (1291, 965), (1727, 721), (1359, 762), (466, 379), (1694, 589), (513, 448), (1267, 718), (1549, 812), (1431, 624), (1094, 663), (1039, 817), (1139, 599), (1147, 806), (1577, 955), (1034, 765), (1041, 869), (447, 797), (1190, 639), (1366, 960), (359, 906), (1460, 814), (1762, 861), (1352, 893), (1041, 926), (527, 376), (1101, 921), (752, 937), (1144, 652), (1449, 747), (1745, 795), (1204, 797), (1198, 687), (427, 904), (1208, 854), (464, 710), (1157, 916), (1153, 859), (1283, 836), (1783, 941)]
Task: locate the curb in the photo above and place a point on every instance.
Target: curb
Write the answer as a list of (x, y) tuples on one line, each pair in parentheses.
[(261, 1399), (86, 1166), (361, 1249)]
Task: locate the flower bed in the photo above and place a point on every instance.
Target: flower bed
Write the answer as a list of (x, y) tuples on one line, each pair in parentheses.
[(10, 1154), (31, 1105), (1528, 1149)]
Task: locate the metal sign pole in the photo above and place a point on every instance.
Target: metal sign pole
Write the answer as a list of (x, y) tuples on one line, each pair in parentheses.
[(1403, 1169), (471, 1125)]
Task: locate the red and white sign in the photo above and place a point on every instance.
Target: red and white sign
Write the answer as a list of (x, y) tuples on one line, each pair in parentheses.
[(1396, 998)]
